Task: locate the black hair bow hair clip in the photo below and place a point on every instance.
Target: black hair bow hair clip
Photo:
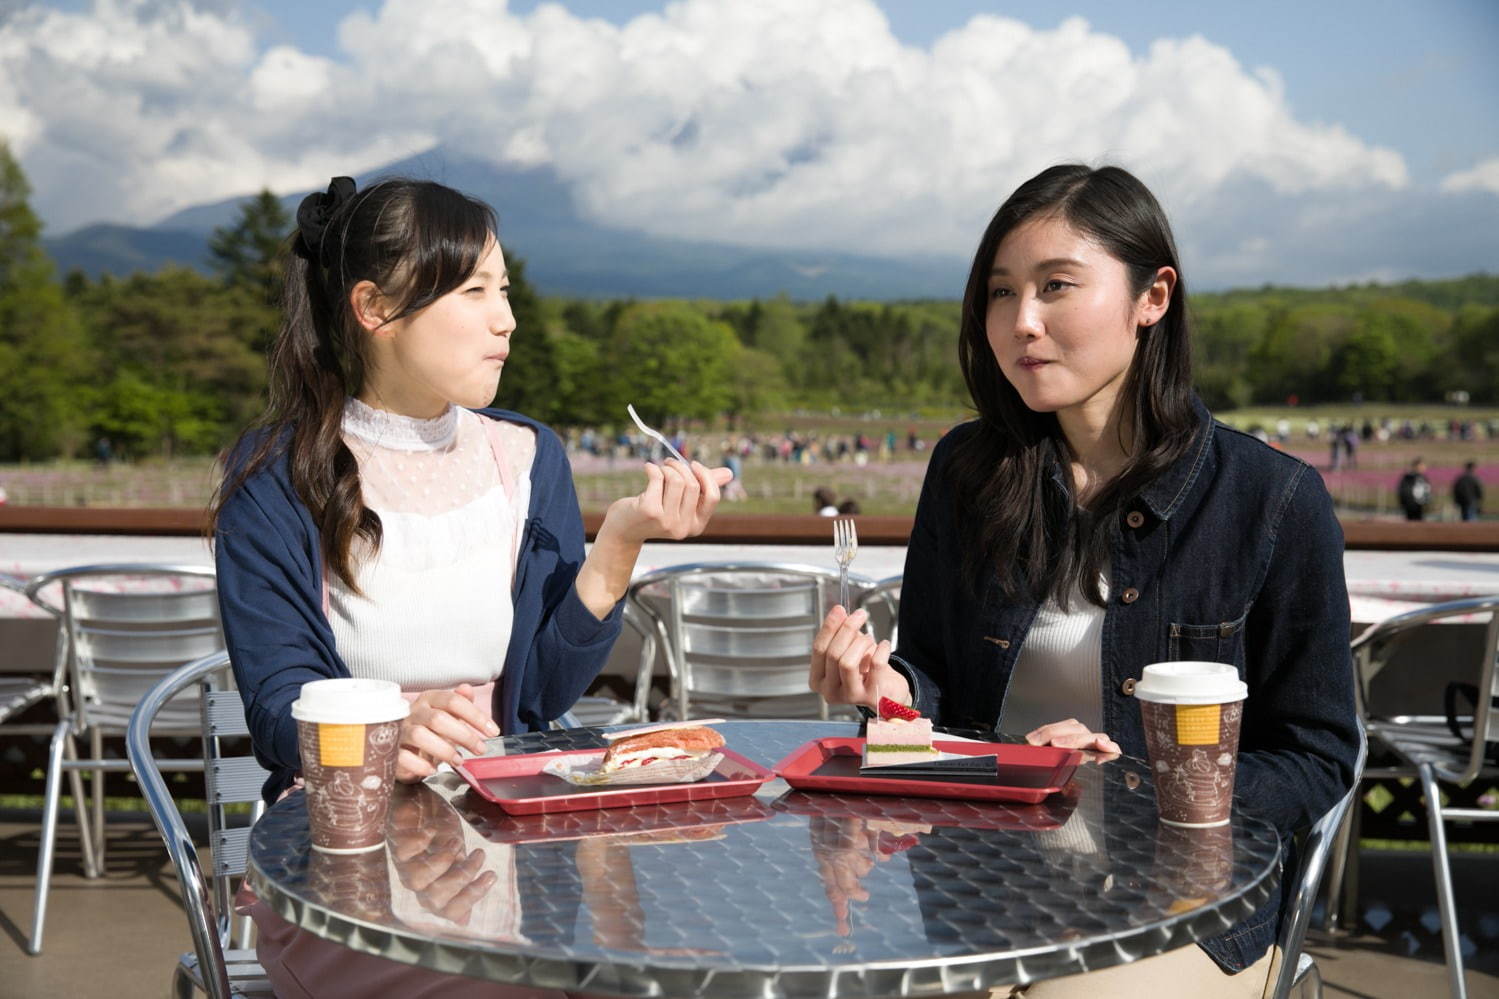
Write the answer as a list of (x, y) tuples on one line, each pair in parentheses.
[(315, 213)]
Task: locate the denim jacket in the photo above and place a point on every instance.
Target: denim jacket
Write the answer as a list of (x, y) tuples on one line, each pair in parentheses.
[(1232, 555)]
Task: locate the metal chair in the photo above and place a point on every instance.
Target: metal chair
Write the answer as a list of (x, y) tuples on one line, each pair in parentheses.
[(116, 644), (1426, 749), (737, 636), (211, 966), (1294, 968), (596, 712), (882, 601), (17, 694), (20, 692)]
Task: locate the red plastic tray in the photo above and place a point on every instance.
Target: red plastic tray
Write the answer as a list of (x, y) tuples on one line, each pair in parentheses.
[(1052, 813), (1025, 773), (679, 821), (517, 785)]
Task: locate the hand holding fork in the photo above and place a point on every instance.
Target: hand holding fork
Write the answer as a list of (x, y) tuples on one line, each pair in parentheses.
[(848, 665)]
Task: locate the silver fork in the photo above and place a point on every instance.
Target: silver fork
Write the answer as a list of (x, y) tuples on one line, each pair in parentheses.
[(845, 547), (654, 434)]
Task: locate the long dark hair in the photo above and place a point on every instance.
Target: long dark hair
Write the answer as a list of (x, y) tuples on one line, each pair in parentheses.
[(1026, 529), (417, 241)]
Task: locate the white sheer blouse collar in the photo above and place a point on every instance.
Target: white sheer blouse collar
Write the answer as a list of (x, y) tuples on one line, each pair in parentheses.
[(399, 433)]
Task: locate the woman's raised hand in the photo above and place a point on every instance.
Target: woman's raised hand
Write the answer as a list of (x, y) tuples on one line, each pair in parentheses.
[(850, 667), (1072, 734), (440, 723), (676, 503)]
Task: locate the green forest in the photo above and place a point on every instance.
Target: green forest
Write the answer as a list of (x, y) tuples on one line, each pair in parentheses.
[(172, 363)]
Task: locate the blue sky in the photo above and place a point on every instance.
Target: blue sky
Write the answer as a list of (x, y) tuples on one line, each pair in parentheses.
[(1303, 143)]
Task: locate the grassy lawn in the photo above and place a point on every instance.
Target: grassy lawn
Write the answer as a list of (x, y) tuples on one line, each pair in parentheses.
[(887, 484), (879, 487)]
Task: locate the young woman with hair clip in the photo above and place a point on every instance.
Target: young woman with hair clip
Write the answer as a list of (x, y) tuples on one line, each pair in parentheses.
[(1094, 519), (379, 522)]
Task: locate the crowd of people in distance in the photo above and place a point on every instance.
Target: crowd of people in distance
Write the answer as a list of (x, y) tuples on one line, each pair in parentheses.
[(1415, 494), (1344, 439), (791, 447)]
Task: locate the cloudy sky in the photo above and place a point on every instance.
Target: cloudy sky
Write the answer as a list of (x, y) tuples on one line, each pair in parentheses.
[(1296, 142)]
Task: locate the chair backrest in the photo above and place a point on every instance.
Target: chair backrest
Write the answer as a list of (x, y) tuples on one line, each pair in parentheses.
[(127, 627), (57, 687), (1377, 644), (227, 781), (882, 601), (1316, 847), (738, 632)]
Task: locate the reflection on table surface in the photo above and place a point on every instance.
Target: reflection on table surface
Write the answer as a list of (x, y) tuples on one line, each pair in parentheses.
[(796, 889)]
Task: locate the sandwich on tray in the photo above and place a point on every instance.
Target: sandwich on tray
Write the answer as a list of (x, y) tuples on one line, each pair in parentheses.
[(671, 753)]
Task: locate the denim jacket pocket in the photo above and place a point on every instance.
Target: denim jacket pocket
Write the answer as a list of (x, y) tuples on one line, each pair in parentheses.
[(1215, 643)]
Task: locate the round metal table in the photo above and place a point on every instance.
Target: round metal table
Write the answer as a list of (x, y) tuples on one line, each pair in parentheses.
[(785, 893)]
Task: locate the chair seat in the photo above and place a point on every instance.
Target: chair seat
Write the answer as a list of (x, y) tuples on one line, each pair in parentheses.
[(246, 976), (1431, 744), (19, 693), (596, 712)]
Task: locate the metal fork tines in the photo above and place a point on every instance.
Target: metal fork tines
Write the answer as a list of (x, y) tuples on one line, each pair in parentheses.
[(845, 547), (654, 435)]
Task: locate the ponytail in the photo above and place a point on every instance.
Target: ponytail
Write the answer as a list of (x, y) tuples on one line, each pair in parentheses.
[(304, 418)]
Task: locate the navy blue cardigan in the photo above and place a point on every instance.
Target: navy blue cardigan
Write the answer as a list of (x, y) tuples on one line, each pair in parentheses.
[(270, 583)]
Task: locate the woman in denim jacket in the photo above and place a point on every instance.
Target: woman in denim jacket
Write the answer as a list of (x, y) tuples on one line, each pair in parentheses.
[(1095, 519)]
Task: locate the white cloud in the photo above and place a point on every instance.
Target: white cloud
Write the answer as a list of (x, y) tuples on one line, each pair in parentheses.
[(1481, 177), (287, 81), (777, 123)]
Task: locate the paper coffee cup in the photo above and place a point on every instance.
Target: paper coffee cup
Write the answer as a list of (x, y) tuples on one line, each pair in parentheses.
[(352, 884), (1192, 713), (348, 732), (1195, 866)]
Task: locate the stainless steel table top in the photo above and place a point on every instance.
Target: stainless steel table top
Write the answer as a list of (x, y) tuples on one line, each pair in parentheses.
[(785, 893)]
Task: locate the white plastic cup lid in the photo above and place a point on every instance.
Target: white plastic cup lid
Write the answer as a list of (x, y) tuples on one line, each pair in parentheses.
[(1191, 683), (350, 701)]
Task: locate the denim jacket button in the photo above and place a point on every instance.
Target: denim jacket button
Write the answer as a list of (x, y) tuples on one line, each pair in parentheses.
[(1135, 519), (1130, 595), (1127, 688)]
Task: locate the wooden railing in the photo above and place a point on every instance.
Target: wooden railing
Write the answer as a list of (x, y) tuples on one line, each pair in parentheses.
[(730, 528)]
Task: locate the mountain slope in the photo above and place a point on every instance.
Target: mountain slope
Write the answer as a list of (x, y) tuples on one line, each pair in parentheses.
[(565, 253)]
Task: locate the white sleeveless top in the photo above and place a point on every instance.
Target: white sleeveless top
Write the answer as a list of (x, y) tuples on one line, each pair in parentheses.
[(437, 604)]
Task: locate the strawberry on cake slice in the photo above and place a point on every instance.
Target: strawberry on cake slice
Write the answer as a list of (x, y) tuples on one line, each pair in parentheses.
[(899, 735)]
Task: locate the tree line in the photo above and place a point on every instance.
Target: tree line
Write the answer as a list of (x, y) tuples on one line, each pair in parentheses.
[(174, 362)]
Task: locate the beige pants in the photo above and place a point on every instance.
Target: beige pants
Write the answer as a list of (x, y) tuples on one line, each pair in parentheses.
[(1185, 972)]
